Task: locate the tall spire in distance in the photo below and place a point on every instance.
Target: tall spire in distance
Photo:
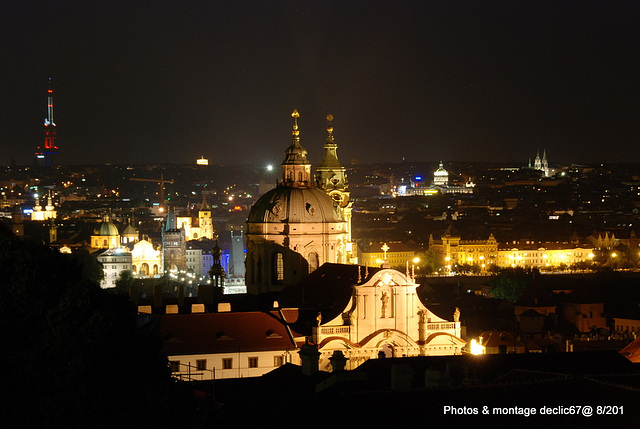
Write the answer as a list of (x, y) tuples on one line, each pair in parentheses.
[(49, 147)]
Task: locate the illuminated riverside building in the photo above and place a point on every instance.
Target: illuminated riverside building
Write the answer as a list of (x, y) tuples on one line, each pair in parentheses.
[(483, 253), (543, 255), (454, 251)]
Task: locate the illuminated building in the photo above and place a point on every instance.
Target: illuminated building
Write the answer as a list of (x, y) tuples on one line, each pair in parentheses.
[(542, 255), (49, 211), (374, 312), (331, 177), (227, 344), (202, 161), (542, 164), (130, 234), (146, 260), (455, 251), (440, 184), (200, 228), (114, 261), (49, 146), (294, 228), (397, 254), (105, 235), (174, 245), (441, 176)]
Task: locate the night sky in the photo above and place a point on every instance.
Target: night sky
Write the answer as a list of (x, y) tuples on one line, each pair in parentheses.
[(170, 81)]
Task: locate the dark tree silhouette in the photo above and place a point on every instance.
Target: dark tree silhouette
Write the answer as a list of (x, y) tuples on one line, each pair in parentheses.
[(73, 356)]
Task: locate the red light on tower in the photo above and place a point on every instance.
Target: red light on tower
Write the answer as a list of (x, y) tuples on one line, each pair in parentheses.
[(49, 146)]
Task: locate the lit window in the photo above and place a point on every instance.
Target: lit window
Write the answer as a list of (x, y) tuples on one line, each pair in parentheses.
[(278, 267)]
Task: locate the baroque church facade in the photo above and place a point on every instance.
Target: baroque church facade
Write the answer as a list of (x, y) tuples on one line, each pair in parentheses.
[(302, 223), (326, 307)]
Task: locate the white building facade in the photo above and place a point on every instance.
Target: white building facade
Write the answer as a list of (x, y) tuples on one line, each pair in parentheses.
[(114, 261), (385, 318)]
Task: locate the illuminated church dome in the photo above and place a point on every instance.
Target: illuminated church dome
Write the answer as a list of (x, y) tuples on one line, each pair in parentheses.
[(293, 228), (106, 228), (295, 205), (296, 199), (441, 176), (105, 235)]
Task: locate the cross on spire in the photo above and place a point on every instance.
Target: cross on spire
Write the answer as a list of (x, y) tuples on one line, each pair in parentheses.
[(385, 248)]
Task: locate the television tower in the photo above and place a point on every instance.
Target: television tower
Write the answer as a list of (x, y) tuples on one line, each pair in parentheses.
[(49, 147)]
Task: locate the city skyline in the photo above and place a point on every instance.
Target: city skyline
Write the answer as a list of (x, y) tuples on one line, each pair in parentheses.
[(499, 81)]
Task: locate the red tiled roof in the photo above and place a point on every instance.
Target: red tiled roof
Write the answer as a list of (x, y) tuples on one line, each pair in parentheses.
[(186, 334), (632, 351), (495, 339)]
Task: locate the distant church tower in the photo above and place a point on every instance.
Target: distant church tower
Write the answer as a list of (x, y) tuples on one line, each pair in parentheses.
[(49, 147), (217, 272), (331, 177), (541, 164), (205, 220), (174, 244)]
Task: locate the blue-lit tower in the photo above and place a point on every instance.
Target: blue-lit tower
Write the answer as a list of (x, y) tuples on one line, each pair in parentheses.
[(49, 146)]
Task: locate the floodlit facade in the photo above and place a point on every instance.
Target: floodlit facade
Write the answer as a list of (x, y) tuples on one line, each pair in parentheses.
[(46, 213), (543, 257), (114, 261), (294, 228), (397, 254), (146, 259), (385, 318), (453, 250)]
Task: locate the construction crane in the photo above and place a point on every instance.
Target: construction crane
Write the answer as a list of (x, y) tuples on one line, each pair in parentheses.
[(160, 182)]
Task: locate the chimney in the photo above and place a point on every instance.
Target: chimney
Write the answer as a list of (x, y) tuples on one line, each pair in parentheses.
[(338, 361), (310, 357)]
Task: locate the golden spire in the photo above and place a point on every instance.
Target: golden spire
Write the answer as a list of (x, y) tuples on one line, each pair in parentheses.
[(295, 115), (330, 128)]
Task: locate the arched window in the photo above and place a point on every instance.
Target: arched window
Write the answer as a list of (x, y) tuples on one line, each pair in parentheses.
[(278, 267), (313, 261)]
